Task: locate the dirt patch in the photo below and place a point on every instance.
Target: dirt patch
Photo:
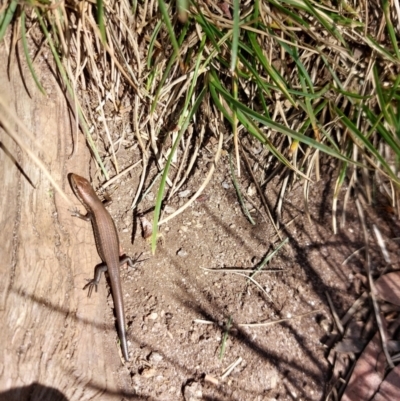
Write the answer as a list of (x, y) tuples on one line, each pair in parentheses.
[(178, 312)]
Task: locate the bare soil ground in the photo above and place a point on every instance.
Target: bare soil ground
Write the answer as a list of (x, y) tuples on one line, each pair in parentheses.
[(178, 312)]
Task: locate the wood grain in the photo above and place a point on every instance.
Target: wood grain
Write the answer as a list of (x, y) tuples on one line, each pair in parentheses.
[(53, 342)]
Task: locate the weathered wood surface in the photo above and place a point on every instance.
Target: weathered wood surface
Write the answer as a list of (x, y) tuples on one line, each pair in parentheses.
[(52, 339)]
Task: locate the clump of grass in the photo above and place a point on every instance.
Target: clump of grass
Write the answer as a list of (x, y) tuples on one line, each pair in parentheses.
[(303, 79)]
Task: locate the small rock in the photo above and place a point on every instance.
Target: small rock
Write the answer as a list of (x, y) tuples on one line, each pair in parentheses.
[(326, 325), (152, 316), (150, 196), (155, 357), (251, 190), (193, 337), (248, 206), (148, 372), (225, 185), (192, 392), (184, 194), (169, 209), (182, 253)]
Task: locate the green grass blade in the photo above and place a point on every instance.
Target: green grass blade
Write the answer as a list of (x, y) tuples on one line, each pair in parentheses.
[(255, 131), (294, 54), (7, 17), (100, 20), (184, 122), (260, 83), (389, 26), (170, 29), (275, 76), (134, 7), (27, 56), (171, 62), (152, 42), (160, 193), (291, 15), (334, 151), (364, 140), (384, 133), (235, 34), (326, 21), (268, 258), (379, 93), (383, 104), (225, 338), (207, 27), (371, 42), (322, 17), (182, 6), (352, 95)]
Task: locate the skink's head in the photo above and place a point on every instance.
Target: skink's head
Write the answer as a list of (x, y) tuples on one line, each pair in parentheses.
[(82, 188)]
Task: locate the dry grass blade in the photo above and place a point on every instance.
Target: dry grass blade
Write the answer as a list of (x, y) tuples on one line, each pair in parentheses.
[(243, 270), (269, 257), (256, 283), (230, 368), (239, 193), (261, 193), (203, 185), (8, 115), (335, 314), (276, 321), (121, 174), (192, 161), (381, 244)]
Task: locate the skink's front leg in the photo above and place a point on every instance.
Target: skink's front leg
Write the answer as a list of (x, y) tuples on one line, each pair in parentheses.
[(77, 213)]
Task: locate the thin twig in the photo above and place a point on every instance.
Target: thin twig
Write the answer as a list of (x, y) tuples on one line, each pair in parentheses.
[(230, 368), (238, 192), (272, 322)]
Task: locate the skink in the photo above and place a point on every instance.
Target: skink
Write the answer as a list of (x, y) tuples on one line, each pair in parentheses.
[(107, 243)]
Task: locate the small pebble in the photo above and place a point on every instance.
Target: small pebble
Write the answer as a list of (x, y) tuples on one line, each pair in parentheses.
[(193, 392), (148, 372), (184, 194), (150, 196), (152, 316), (155, 357), (169, 209), (182, 253), (251, 190)]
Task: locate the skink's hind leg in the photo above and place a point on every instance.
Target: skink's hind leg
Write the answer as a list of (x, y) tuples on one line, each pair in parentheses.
[(126, 259), (95, 281), (131, 262)]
